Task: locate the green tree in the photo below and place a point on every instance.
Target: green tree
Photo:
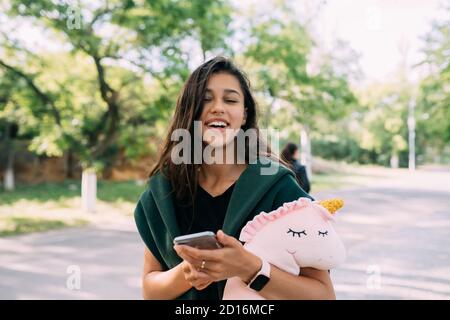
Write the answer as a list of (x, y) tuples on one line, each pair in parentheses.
[(433, 125), (384, 129), (281, 57), (95, 99)]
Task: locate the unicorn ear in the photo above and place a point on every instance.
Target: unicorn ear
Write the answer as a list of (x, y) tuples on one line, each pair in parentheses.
[(332, 205)]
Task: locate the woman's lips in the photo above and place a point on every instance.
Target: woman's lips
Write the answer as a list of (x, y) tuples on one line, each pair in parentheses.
[(216, 123), (215, 126), (221, 129)]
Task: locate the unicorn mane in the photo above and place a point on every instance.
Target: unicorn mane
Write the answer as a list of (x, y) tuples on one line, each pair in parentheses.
[(259, 221)]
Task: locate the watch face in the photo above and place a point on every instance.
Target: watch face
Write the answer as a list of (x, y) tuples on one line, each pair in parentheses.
[(259, 282)]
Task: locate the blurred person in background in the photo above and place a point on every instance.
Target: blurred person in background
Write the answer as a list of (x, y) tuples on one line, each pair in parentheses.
[(290, 154)]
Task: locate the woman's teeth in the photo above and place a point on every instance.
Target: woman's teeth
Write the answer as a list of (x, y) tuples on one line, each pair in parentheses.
[(217, 124)]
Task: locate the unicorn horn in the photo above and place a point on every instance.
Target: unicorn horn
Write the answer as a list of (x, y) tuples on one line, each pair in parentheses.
[(332, 205)]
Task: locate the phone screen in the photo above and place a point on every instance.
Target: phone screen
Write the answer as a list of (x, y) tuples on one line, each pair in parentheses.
[(200, 241)]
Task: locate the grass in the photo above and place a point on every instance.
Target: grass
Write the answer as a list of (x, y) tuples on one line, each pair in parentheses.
[(46, 206), (11, 225), (108, 191), (128, 191), (329, 181), (335, 181)]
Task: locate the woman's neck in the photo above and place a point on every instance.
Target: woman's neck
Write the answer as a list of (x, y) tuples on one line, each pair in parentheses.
[(217, 172), (216, 178)]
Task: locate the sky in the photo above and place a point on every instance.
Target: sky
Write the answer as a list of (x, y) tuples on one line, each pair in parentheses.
[(379, 30)]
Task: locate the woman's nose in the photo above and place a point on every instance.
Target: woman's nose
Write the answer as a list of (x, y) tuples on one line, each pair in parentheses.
[(217, 107)]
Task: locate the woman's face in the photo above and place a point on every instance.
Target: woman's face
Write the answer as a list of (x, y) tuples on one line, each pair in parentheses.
[(223, 109)]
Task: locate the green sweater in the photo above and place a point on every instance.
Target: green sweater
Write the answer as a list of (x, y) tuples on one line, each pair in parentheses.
[(254, 192)]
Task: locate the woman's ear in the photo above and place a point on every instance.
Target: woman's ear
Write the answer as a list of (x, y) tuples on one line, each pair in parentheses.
[(245, 117)]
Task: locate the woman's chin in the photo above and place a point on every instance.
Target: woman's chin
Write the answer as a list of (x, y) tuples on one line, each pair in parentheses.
[(217, 143), (218, 138)]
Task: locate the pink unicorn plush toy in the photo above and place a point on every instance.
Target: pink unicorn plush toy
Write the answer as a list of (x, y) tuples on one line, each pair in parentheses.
[(299, 234)]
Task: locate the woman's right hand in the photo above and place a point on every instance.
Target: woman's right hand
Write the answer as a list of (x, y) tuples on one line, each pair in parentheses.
[(199, 280)]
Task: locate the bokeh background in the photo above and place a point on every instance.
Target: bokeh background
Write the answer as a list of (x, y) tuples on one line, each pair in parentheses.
[(87, 89)]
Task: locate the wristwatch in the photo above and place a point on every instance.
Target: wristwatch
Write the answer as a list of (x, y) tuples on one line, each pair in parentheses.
[(261, 278)]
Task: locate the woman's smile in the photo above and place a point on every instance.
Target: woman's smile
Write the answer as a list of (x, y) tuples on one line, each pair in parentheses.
[(217, 124)]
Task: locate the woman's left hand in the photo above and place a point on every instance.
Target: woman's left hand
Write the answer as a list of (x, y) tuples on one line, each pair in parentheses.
[(230, 261)]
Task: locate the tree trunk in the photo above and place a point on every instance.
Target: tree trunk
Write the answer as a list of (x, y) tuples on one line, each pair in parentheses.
[(9, 172), (8, 179), (411, 136), (70, 163), (106, 130)]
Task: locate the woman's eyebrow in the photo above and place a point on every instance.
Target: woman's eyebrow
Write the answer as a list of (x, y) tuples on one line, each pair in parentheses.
[(232, 91), (225, 91)]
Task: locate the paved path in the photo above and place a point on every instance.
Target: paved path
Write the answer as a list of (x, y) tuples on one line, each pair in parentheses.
[(396, 230), (397, 234), (45, 265)]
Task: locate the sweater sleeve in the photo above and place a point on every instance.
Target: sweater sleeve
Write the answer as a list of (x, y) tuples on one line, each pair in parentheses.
[(288, 191), (141, 218)]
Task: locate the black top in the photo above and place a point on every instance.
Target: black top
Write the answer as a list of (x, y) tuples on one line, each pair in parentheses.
[(208, 215), (300, 173)]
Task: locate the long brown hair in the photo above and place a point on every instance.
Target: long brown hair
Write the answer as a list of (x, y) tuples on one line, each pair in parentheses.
[(184, 177)]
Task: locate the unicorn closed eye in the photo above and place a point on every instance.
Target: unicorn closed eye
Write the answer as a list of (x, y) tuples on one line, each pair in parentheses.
[(299, 234)]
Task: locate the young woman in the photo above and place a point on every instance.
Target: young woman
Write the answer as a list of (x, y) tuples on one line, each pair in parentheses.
[(220, 197), (290, 154)]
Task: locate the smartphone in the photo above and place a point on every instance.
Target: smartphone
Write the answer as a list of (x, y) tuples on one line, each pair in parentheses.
[(200, 240)]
